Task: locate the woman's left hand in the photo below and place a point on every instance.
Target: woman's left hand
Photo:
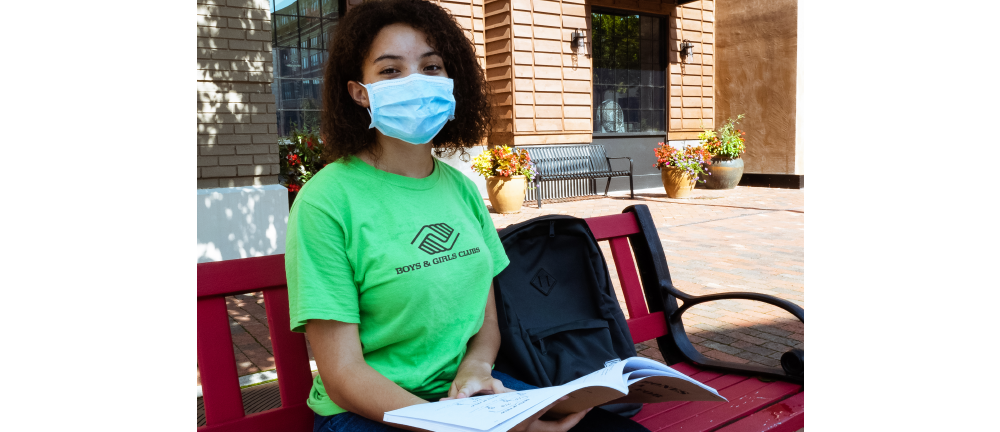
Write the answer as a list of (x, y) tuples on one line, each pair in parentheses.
[(474, 380)]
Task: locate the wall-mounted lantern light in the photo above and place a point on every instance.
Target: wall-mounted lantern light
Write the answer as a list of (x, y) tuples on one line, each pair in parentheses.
[(687, 50), (576, 39)]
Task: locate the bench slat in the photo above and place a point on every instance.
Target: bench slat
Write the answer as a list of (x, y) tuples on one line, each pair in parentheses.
[(629, 278), (561, 161), (746, 396), (663, 414), (217, 363), (788, 415), (225, 278), (292, 364), (601, 158), (606, 227), (729, 386), (648, 327), (739, 406)]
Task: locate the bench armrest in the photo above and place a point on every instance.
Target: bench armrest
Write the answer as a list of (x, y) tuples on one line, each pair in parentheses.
[(661, 295), (683, 346), (624, 157)]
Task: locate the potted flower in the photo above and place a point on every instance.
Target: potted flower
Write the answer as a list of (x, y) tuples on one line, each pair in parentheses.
[(507, 172), (299, 157), (726, 148), (680, 169)]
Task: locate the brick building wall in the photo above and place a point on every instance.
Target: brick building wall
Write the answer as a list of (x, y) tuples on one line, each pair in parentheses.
[(237, 125)]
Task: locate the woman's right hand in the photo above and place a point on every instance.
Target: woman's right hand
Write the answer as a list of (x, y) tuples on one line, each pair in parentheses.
[(536, 424)]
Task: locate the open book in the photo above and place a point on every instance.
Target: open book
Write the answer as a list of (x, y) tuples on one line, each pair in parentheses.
[(632, 380)]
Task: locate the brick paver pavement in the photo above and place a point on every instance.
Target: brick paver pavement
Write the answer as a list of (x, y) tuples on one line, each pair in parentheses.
[(744, 239)]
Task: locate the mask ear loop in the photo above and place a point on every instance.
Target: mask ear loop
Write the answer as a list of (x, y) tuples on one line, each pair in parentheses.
[(370, 114)]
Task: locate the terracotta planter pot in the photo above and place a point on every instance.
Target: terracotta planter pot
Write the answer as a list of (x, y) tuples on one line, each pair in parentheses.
[(676, 182), (506, 193), (726, 173)]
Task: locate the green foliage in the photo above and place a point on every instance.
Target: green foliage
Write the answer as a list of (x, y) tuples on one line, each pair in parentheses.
[(300, 156), (504, 161), (694, 160), (728, 142)]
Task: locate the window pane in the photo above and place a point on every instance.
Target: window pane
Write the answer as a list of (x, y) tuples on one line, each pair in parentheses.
[(289, 64), (291, 92), (331, 8), (620, 76), (285, 121), (312, 93), (632, 121), (287, 7), (309, 8), (286, 30), (312, 63), (311, 32)]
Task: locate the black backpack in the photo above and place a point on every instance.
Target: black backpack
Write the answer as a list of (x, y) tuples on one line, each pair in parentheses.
[(558, 315)]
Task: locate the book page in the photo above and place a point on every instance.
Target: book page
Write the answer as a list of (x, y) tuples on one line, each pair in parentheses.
[(479, 412), (632, 380), (486, 412)]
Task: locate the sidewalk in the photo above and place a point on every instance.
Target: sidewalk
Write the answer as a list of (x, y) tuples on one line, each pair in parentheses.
[(745, 239)]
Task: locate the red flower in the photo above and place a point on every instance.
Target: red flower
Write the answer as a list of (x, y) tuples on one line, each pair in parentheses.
[(294, 187), (294, 160), (309, 144)]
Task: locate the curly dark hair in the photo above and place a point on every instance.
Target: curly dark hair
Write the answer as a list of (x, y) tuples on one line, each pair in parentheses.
[(344, 124)]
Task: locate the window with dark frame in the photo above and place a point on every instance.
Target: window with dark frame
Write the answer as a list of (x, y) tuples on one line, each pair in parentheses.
[(629, 64), (301, 30)]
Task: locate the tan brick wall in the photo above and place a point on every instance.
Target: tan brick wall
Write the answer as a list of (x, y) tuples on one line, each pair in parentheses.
[(237, 124)]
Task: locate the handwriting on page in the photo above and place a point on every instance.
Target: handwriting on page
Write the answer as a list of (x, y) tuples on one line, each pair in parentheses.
[(497, 404)]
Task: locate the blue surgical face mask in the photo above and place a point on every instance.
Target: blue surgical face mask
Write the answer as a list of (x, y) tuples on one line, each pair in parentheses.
[(413, 109)]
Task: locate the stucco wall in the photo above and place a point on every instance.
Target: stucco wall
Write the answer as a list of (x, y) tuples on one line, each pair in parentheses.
[(756, 42)]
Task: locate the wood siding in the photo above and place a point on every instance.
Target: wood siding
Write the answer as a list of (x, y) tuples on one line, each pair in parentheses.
[(542, 85), (691, 103)]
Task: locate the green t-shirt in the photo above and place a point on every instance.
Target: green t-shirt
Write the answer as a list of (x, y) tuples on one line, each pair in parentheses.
[(409, 260)]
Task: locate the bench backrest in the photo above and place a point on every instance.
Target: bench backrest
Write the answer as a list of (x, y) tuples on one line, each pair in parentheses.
[(568, 159), (217, 363), (629, 234)]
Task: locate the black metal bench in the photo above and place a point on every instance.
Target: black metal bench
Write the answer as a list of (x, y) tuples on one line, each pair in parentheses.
[(573, 162)]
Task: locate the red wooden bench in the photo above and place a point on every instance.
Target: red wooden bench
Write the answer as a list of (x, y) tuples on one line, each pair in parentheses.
[(754, 404)]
